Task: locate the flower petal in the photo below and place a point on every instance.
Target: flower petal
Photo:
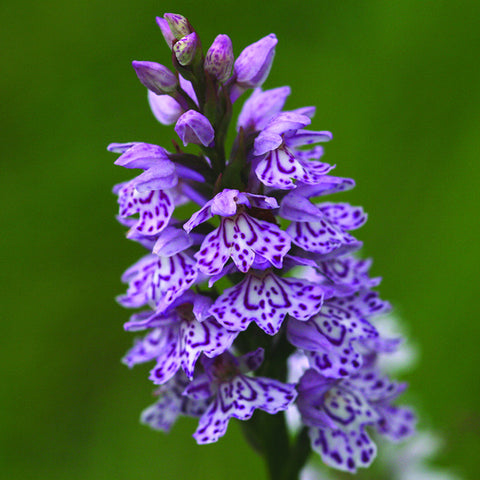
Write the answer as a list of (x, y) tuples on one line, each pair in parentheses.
[(342, 450), (266, 300)]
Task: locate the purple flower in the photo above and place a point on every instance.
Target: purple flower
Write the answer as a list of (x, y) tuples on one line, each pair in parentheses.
[(171, 404), (177, 338), (234, 394), (294, 269), (338, 412), (265, 298), (278, 162)]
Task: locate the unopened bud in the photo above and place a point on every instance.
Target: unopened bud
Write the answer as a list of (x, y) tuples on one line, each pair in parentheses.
[(185, 49), (179, 25), (219, 58), (253, 65), (193, 127)]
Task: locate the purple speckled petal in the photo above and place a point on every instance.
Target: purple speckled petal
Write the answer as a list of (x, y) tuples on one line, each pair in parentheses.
[(241, 237), (320, 237), (158, 281), (396, 423), (363, 304), (261, 107), (342, 450), (328, 339), (147, 348), (349, 271), (165, 108), (375, 386), (138, 276), (168, 358), (155, 207), (172, 276), (170, 404), (239, 398), (193, 127), (279, 168), (200, 388), (208, 337), (344, 215), (266, 299), (253, 64)]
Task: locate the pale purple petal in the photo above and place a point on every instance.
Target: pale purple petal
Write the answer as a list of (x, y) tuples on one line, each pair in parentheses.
[(266, 142), (260, 107), (286, 123), (344, 215), (165, 108), (170, 404), (155, 77), (142, 155), (193, 127), (166, 31), (253, 64), (171, 241), (396, 423), (187, 87), (308, 137)]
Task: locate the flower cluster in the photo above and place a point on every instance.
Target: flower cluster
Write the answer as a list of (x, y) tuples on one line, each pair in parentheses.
[(261, 274)]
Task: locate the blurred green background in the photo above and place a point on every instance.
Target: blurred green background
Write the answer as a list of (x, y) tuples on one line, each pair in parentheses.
[(398, 85)]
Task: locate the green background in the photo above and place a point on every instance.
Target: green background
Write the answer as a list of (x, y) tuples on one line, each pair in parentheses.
[(396, 82)]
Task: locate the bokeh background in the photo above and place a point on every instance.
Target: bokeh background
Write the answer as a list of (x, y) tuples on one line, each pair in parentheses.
[(398, 85)]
